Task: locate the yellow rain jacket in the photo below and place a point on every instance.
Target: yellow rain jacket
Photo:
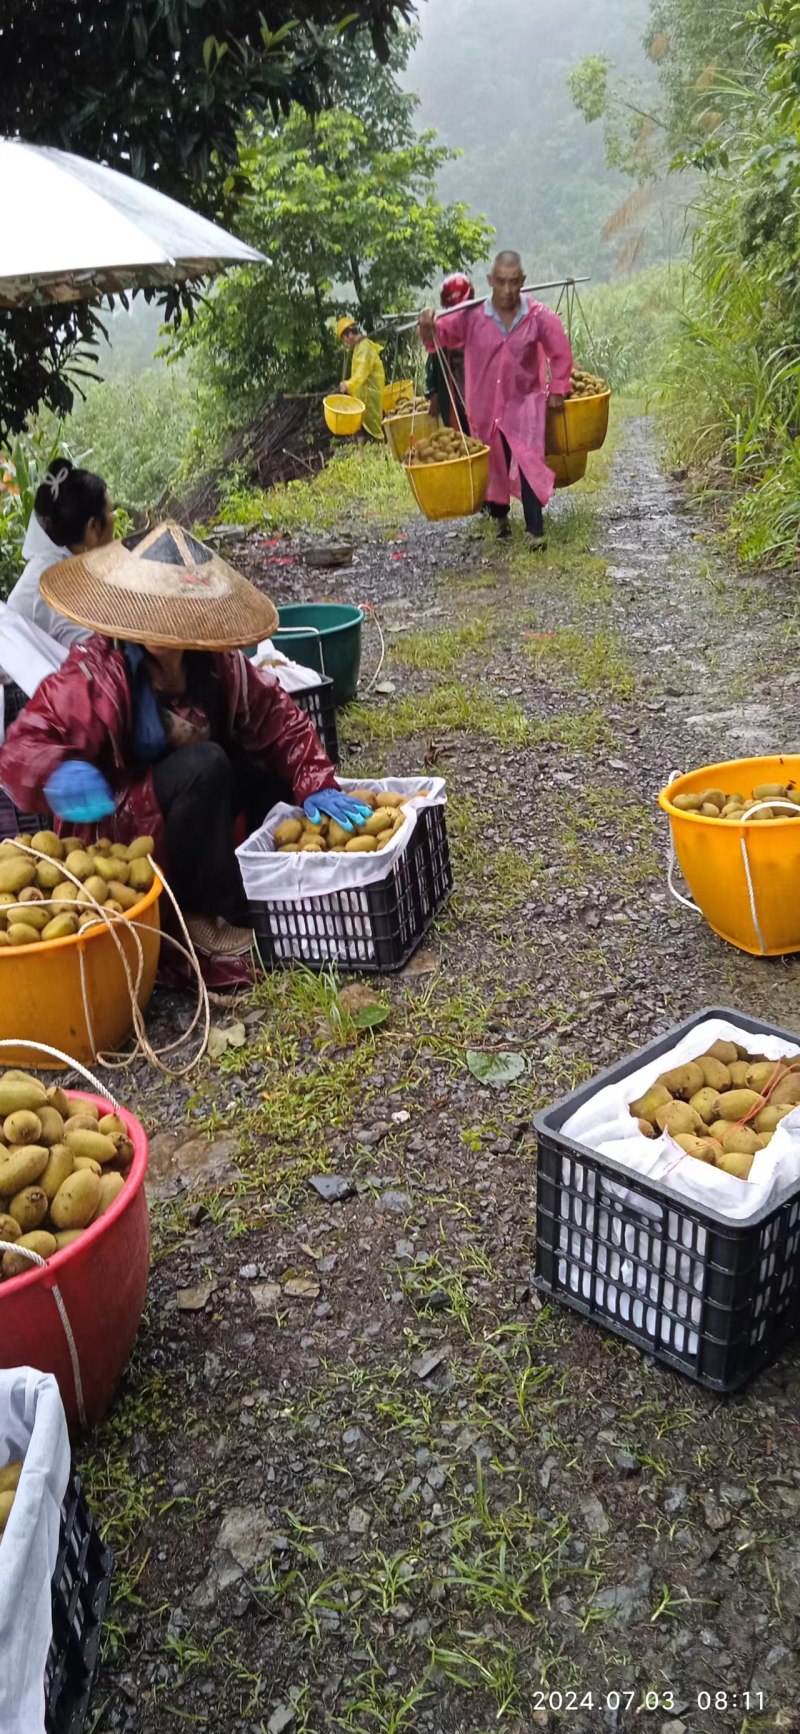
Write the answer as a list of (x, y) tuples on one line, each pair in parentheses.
[(367, 380)]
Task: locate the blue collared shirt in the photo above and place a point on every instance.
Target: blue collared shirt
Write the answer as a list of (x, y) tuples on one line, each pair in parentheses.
[(490, 312)]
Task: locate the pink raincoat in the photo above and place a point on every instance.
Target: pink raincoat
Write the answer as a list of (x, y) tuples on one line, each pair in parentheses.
[(506, 388)]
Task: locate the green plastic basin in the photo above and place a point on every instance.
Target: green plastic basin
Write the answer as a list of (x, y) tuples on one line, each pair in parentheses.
[(325, 636)]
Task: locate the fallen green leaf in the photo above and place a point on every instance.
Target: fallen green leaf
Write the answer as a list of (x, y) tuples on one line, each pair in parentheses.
[(495, 1069)]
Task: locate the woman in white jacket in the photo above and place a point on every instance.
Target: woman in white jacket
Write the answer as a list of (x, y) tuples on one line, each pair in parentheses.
[(72, 513)]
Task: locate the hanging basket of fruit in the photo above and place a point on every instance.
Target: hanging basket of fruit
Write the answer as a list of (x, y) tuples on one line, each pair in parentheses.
[(449, 474)]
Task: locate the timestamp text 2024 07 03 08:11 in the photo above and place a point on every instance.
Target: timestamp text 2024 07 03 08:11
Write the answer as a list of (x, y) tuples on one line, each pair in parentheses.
[(574, 1699)]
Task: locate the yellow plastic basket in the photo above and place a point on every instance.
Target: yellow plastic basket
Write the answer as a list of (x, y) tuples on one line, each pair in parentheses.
[(393, 392), (580, 425), (567, 469), (343, 414), (454, 488), (743, 876), (400, 430)]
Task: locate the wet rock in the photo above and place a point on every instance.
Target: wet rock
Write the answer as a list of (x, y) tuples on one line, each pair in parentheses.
[(193, 1300), (594, 1515), (332, 1188), (265, 1296), (204, 1166), (716, 1519), (358, 1520), (397, 1202), (428, 1362), (162, 1180), (282, 1717), (248, 1536), (676, 1498), (626, 1463), (627, 1602), (249, 1272)]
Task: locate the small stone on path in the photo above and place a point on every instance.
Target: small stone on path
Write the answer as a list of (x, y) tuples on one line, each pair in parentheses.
[(398, 1202), (193, 1300), (428, 1363), (265, 1296), (282, 1717), (332, 1188), (596, 1521), (358, 1520)]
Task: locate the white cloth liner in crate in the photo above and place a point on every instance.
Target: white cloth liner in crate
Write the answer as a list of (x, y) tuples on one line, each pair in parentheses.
[(620, 1283), (32, 1426), (293, 677), (335, 935)]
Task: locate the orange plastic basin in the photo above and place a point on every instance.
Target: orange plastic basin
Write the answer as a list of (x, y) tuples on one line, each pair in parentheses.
[(41, 996), (102, 1279), (711, 854)]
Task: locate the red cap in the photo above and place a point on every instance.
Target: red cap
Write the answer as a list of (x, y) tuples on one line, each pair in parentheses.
[(455, 289)]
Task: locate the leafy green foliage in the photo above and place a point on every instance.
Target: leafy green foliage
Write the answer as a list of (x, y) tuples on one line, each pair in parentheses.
[(343, 206), (23, 465), (158, 89)]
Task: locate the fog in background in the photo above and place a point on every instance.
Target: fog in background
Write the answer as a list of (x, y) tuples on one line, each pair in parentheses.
[(493, 82)]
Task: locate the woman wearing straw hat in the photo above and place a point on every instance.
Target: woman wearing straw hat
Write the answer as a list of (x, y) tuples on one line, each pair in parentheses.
[(367, 378), (158, 725)]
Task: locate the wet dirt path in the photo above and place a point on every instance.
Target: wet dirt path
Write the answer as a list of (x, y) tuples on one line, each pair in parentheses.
[(361, 1476)]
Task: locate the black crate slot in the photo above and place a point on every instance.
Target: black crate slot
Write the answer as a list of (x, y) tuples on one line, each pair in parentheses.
[(375, 928), (317, 702), (716, 1299), (81, 1584)]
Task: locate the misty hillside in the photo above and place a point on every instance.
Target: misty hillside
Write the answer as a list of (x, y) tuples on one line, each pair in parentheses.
[(493, 83)]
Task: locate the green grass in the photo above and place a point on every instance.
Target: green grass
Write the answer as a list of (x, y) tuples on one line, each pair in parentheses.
[(444, 651), (364, 482), (461, 709), (596, 660)]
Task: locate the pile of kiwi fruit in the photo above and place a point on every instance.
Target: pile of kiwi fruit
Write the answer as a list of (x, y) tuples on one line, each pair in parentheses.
[(409, 406), (723, 1107), (586, 384), (387, 817), (443, 446), (39, 899), (715, 804)]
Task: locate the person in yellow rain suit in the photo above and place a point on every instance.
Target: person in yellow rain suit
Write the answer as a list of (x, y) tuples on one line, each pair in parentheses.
[(367, 378)]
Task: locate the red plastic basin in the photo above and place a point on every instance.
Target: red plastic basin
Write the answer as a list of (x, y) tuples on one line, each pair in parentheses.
[(102, 1279)]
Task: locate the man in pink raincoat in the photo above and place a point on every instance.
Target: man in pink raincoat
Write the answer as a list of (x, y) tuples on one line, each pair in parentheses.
[(509, 343)]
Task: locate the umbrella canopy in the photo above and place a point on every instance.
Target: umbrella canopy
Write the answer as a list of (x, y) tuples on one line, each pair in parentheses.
[(73, 230)]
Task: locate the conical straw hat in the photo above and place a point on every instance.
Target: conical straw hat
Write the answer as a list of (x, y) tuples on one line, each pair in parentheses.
[(169, 590)]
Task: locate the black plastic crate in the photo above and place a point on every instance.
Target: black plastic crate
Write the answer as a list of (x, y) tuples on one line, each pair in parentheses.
[(373, 929), (12, 820), (80, 1592), (317, 702), (716, 1299)]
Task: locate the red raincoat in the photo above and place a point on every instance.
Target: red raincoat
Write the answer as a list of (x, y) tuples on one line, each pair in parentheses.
[(506, 387), (85, 711)]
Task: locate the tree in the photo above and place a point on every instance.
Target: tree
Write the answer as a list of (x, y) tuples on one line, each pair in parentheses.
[(158, 89), (343, 206)]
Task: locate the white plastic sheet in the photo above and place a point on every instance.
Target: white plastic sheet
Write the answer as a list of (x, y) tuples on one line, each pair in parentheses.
[(293, 677), (271, 877), (32, 1426), (27, 655), (604, 1123), (613, 1241)]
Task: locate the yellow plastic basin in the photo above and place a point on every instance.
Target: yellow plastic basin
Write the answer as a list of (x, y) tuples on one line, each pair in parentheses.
[(41, 997), (567, 469), (343, 414), (711, 854), (392, 393), (400, 430), (453, 489), (580, 425)]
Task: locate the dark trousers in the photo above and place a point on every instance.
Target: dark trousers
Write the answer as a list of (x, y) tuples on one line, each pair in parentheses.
[(201, 790), (531, 506)]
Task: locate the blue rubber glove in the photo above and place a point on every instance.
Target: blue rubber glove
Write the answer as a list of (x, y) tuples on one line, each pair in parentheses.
[(79, 792), (338, 806)]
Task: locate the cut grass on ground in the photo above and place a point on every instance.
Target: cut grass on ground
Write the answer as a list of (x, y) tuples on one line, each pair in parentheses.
[(365, 481), (597, 660), (473, 710)]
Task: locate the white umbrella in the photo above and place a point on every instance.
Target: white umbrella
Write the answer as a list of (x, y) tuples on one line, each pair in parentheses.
[(73, 230)]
